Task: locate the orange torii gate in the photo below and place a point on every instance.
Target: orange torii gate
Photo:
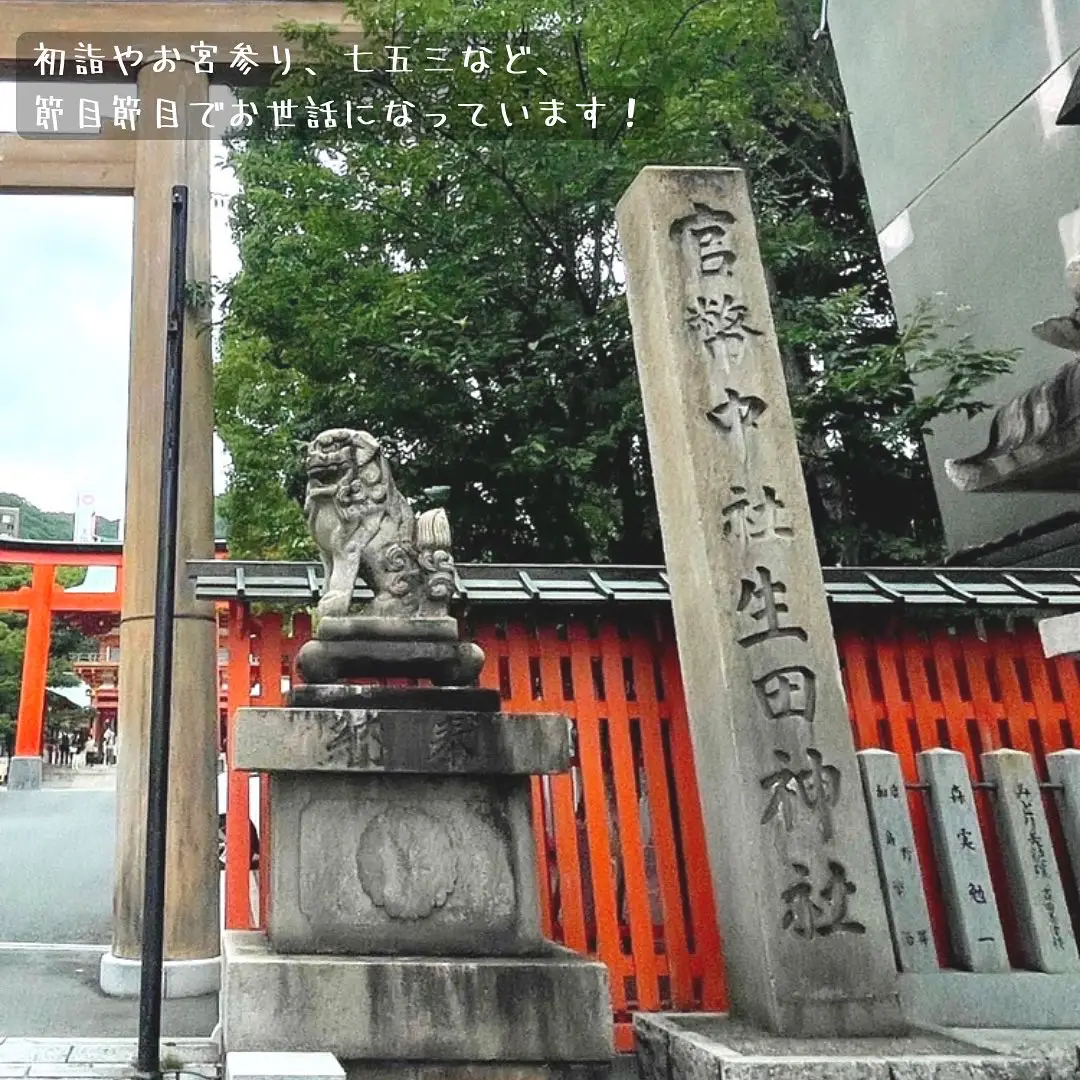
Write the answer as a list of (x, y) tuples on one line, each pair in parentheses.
[(40, 600)]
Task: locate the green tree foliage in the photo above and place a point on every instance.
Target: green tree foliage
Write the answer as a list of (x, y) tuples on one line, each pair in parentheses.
[(460, 294)]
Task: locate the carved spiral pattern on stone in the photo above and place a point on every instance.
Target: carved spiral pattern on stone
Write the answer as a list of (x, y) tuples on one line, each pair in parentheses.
[(407, 863)]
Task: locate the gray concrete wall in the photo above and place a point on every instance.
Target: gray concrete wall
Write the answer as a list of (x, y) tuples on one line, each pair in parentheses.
[(975, 191)]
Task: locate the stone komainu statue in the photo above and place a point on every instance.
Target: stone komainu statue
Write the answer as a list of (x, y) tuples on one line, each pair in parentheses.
[(364, 526)]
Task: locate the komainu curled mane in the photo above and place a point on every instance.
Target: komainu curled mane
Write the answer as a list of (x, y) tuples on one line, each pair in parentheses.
[(364, 526)]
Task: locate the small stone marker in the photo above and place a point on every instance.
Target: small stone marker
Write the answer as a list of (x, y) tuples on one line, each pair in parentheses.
[(974, 924), (1044, 926), (898, 860), (806, 935), (282, 1065), (1063, 768)]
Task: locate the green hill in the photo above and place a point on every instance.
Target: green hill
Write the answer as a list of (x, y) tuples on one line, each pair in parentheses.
[(35, 524)]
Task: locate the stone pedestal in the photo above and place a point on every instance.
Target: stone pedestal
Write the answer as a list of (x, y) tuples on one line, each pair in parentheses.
[(403, 907)]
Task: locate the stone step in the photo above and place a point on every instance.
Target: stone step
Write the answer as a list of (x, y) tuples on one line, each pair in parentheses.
[(105, 1059)]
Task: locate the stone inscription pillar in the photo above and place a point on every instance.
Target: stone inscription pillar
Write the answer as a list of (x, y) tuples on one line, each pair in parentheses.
[(805, 932), (191, 915)]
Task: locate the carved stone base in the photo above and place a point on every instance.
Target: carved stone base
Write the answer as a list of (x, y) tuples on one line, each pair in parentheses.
[(440, 1012), (373, 696), (445, 663), (402, 831), (416, 865)]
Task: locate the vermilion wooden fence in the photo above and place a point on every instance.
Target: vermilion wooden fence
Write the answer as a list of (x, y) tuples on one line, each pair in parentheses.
[(970, 689), (622, 861)]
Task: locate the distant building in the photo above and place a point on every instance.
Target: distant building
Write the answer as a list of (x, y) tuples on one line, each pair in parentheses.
[(9, 521), (973, 174)]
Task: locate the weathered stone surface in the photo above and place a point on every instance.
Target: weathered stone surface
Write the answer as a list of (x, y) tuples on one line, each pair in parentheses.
[(1063, 767), (898, 860), (554, 1008), (1060, 634), (374, 696), (1044, 929), (382, 865), (806, 938), (445, 663), (1017, 999), (401, 741), (715, 1047), (364, 525), (24, 773), (974, 924)]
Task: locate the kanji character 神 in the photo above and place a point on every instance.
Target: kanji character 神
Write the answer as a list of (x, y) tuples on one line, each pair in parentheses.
[(817, 787)]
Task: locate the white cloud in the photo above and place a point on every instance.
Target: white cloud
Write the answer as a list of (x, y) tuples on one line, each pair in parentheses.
[(65, 267)]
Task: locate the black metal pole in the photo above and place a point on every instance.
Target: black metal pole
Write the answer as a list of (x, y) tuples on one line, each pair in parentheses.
[(148, 1063)]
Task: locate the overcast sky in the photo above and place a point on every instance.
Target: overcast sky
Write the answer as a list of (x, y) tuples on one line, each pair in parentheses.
[(65, 304)]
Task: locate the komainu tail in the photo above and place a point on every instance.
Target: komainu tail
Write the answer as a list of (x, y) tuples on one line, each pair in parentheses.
[(433, 531)]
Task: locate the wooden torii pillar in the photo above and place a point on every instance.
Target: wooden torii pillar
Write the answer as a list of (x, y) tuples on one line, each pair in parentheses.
[(147, 168)]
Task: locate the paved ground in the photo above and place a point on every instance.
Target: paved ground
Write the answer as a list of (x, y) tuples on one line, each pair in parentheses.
[(56, 862), (101, 1058)]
